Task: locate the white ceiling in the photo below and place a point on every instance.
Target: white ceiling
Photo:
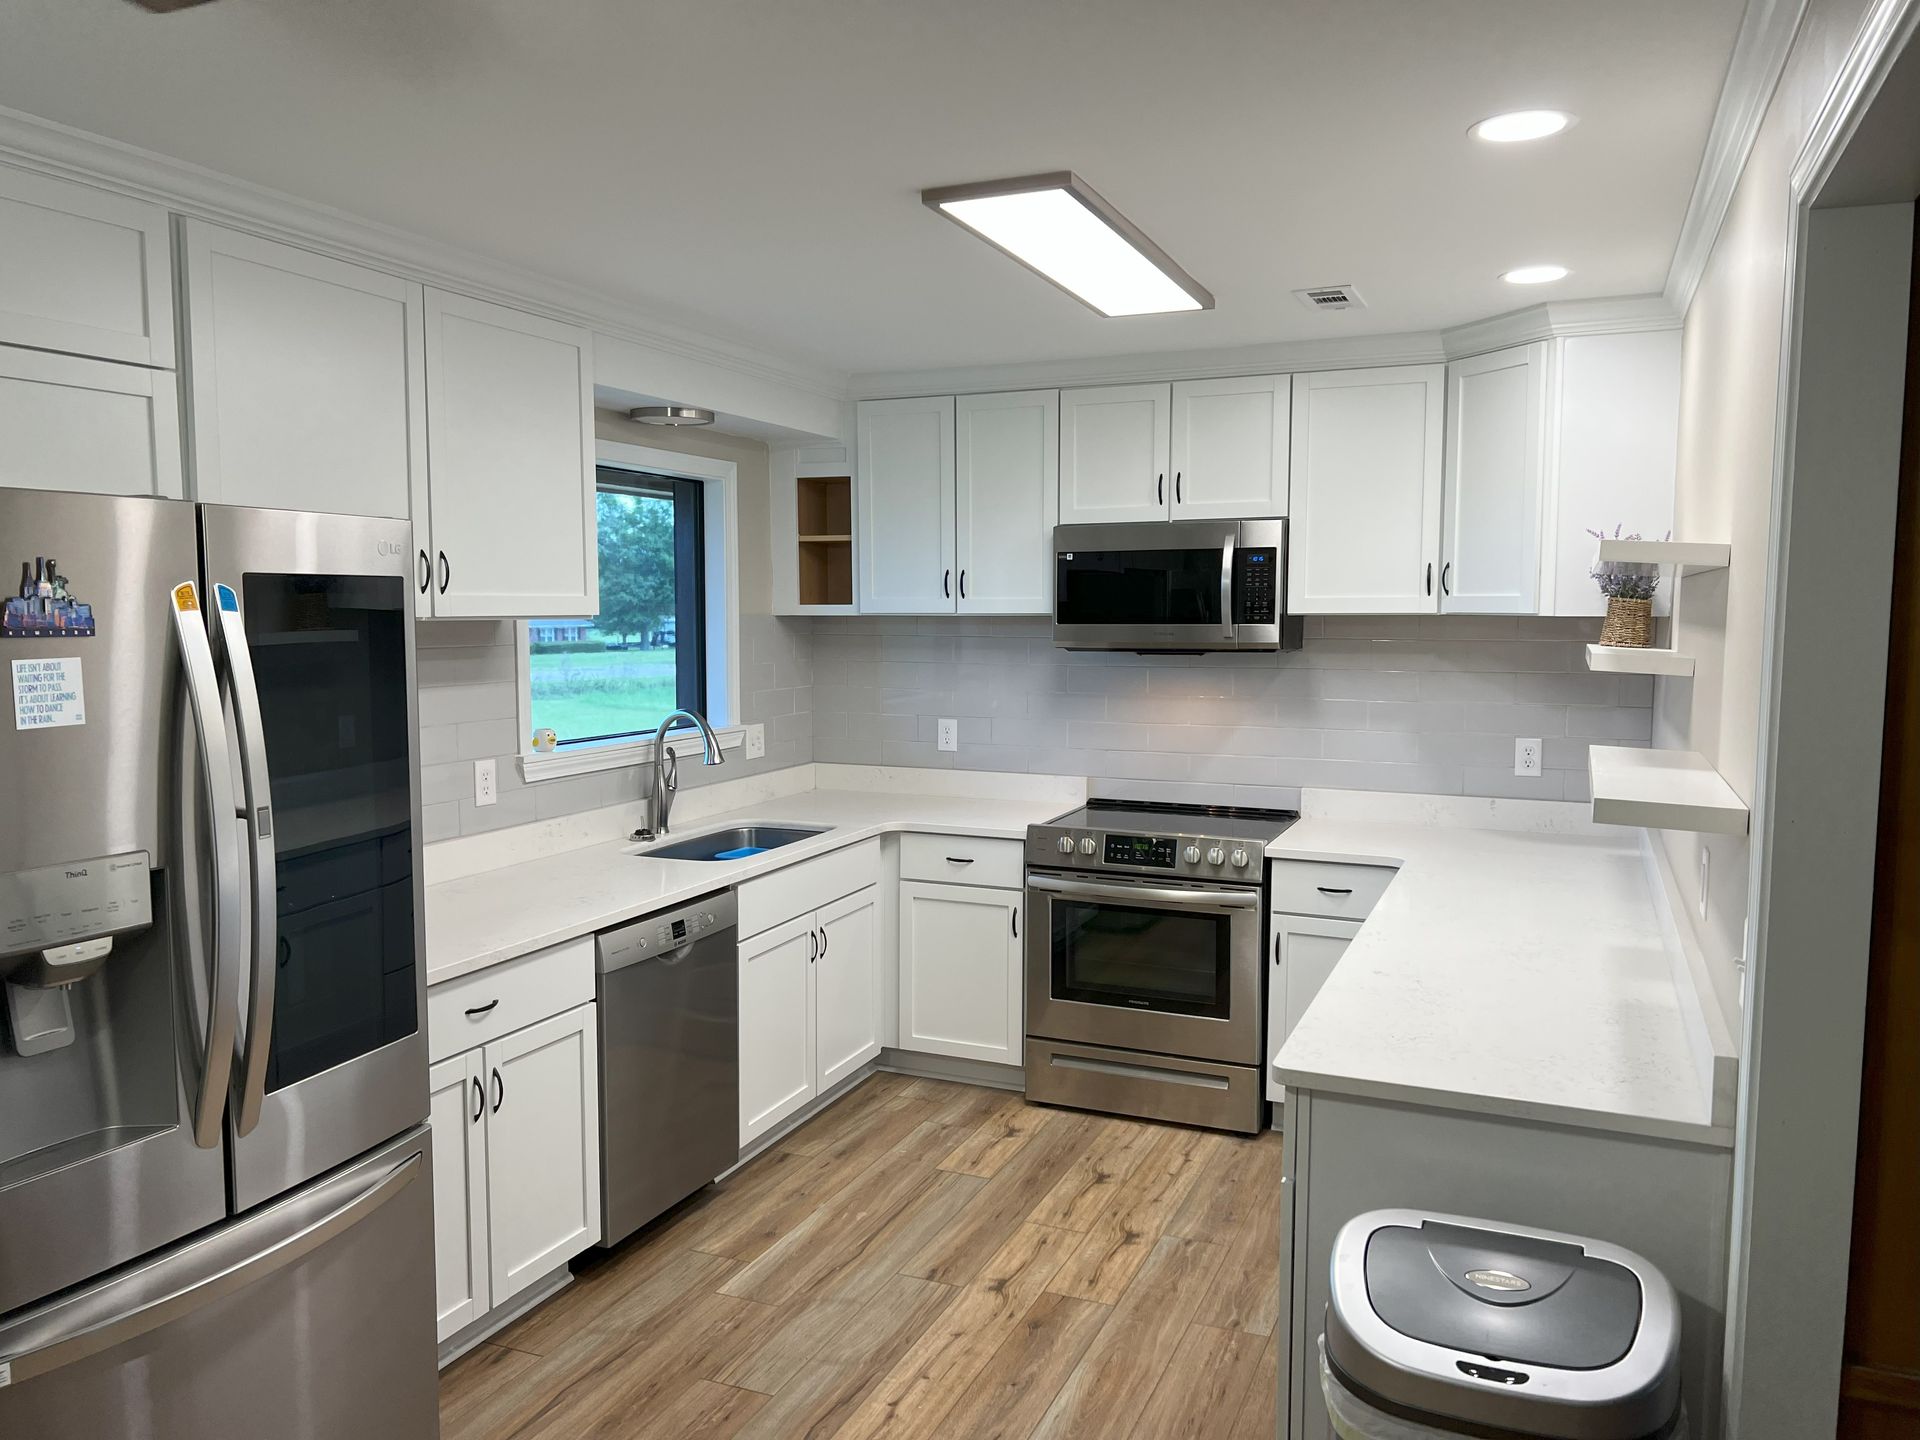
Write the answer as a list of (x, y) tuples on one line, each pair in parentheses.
[(754, 169)]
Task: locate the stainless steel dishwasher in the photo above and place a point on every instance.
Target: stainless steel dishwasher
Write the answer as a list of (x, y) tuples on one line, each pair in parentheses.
[(669, 991)]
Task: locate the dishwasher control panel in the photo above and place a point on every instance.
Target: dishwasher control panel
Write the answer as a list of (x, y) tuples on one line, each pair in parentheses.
[(666, 932)]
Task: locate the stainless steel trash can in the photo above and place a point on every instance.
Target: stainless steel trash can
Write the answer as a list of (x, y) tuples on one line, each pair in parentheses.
[(1442, 1325)]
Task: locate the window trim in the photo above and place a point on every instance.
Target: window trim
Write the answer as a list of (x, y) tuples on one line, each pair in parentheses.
[(720, 489)]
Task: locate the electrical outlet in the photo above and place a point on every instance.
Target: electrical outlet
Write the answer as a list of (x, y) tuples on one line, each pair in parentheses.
[(1706, 875), (756, 741), (949, 734), (486, 788), (1526, 758)]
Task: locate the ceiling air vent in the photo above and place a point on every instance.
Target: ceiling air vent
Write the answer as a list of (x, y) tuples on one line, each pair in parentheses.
[(1330, 297)]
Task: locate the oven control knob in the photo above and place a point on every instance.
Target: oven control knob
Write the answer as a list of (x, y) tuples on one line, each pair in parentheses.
[(1065, 844), (1087, 847), (1216, 856), (1239, 858), (1192, 854)]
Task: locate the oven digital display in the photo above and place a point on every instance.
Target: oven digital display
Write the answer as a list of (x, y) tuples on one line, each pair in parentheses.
[(1154, 850)]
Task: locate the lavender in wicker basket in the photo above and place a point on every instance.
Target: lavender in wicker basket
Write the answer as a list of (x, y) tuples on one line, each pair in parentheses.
[(1621, 579)]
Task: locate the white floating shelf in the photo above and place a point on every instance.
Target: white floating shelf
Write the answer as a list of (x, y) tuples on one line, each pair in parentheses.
[(1692, 557), (1662, 790), (1642, 660)]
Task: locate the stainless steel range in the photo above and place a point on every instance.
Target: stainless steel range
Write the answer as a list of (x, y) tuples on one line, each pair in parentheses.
[(1144, 974)]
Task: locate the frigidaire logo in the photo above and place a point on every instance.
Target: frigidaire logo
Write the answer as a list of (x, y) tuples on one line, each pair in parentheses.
[(76, 874)]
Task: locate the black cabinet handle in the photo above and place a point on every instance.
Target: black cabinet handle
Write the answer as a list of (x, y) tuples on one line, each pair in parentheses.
[(946, 584), (1334, 889), (1445, 571), (1176, 487), (479, 1099), (499, 1090), (1160, 490), (1276, 949), (1016, 922), (1429, 578), (426, 572), (478, 1010), (813, 946), (959, 860), (446, 573), (823, 943), (963, 584)]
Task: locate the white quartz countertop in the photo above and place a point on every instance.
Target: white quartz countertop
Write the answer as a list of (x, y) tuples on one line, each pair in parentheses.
[(1527, 975), (496, 915)]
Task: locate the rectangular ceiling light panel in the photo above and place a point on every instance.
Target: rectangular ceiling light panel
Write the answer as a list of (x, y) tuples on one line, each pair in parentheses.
[(1060, 229)]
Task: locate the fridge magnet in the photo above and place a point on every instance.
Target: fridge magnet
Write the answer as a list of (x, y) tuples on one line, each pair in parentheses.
[(47, 693), (44, 607)]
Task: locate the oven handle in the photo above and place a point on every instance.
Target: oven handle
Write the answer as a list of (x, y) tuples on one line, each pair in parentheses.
[(1153, 894)]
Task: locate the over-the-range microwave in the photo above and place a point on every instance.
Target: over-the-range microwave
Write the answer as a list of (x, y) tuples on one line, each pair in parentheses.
[(1181, 586)]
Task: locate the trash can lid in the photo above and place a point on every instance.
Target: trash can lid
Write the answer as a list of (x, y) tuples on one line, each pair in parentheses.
[(1502, 1326)]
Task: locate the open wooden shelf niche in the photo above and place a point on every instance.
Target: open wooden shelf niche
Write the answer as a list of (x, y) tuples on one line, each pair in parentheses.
[(823, 506)]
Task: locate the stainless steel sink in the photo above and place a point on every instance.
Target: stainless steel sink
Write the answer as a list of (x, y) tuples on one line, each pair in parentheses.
[(717, 843)]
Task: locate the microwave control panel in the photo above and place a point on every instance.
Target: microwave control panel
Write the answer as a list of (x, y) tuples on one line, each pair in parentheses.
[(1255, 582)]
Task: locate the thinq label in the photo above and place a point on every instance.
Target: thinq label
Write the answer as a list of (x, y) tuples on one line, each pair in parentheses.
[(48, 693)]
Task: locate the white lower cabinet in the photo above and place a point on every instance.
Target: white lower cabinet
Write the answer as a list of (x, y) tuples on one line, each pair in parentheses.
[(960, 971), (1305, 950), (516, 1191), (810, 995)]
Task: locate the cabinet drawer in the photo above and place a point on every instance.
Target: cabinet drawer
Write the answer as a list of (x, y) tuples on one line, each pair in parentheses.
[(1315, 887), (961, 860), (479, 1008), (774, 899)]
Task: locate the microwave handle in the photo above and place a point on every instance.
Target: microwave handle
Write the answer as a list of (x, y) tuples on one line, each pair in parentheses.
[(1226, 585)]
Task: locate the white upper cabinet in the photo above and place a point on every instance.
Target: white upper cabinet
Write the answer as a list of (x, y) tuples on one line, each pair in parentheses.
[(1007, 496), (510, 462), (1495, 476), (1613, 451), (308, 379), (84, 271), (1230, 447), (904, 506), (87, 425), (1366, 488), (1115, 443)]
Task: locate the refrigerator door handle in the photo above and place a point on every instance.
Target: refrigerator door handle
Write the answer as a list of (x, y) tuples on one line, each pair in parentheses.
[(196, 1274), (223, 982), (257, 811)]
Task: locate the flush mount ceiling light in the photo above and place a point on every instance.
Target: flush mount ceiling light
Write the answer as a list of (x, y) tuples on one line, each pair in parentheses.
[(1519, 125), (1060, 229), (1535, 274), (670, 415)]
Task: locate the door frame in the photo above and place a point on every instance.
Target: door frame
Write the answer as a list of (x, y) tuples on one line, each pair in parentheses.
[(1816, 801)]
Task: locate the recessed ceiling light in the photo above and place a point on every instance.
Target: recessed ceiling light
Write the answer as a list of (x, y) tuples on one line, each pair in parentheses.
[(1535, 275), (1521, 125), (1057, 227)]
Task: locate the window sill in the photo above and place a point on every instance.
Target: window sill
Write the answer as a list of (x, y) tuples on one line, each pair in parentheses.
[(621, 755)]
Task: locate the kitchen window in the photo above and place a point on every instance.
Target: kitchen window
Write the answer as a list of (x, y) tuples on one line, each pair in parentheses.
[(661, 640)]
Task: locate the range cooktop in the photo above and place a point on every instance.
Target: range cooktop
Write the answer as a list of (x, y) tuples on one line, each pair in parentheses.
[(1219, 842)]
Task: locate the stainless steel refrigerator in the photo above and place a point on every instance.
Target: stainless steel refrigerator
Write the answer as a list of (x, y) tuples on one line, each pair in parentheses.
[(215, 1176)]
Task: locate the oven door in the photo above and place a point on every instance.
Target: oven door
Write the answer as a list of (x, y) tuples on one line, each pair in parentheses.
[(1152, 586), (1165, 968)]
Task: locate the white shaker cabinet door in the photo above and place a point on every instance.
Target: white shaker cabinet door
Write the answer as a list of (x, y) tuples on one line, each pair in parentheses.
[(84, 271), (87, 425), (543, 1148), (1114, 446), (960, 972), (510, 462), (904, 508), (846, 988), (777, 1072), (1305, 950), (1366, 483), (308, 379), (459, 1113), (1230, 447), (1007, 497), (1495, 478)]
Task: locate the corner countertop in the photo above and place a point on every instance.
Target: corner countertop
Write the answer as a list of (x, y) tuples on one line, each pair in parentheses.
[(1506, 972), (497, 915)]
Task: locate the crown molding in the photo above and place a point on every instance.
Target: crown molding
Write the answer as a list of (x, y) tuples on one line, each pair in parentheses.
[(193, 190), (1760, 54), (1427, 347)]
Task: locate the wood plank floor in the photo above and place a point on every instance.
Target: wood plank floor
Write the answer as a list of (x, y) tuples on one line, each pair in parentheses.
[(922, 1259)]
